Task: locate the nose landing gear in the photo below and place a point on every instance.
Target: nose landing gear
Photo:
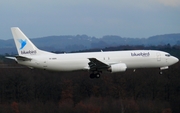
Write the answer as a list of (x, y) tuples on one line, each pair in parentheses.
[(160, 72), (163, 68)]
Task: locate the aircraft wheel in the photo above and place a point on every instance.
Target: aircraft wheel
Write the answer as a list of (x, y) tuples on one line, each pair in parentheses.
[(97, 75)]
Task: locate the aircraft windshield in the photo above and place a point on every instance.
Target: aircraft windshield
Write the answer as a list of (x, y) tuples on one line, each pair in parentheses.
[(168, 55)]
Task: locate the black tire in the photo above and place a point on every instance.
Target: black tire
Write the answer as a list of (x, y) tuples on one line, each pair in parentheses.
[(98, 75)]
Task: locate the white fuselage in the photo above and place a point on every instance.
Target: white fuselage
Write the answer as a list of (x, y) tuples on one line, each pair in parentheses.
[(95, 62), (79, 61)]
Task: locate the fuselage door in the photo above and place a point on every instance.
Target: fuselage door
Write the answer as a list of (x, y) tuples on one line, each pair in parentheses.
[(158, 56), (44, 64)]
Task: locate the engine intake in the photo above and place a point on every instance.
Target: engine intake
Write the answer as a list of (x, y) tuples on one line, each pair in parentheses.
[(121, 67)]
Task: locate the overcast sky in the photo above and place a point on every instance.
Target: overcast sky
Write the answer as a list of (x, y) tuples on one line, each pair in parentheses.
[(126, 18)]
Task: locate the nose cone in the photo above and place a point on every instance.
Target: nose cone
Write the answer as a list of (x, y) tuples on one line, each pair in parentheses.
[(174, 60)]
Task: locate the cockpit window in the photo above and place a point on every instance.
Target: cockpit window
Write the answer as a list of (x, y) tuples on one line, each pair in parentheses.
[(168, 55)]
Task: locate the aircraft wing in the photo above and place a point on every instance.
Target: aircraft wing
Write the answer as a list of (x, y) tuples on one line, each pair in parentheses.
[(96, 64)]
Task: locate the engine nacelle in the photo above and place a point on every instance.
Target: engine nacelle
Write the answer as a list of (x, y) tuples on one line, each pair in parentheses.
[(121, 67)]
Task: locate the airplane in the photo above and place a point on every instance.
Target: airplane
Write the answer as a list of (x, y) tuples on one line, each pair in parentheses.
[(94, 62)]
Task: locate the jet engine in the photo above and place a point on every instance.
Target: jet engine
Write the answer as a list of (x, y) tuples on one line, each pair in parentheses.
[(120, 67)]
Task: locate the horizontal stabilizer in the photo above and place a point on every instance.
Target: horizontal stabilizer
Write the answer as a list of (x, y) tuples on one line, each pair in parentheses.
[(23, 58), (12, 58)]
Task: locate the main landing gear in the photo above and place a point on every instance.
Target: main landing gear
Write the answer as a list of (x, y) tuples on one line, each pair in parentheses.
[(95, 75)]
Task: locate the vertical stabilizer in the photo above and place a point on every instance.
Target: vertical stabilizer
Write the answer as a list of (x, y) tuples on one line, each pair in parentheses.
[(24, 46)]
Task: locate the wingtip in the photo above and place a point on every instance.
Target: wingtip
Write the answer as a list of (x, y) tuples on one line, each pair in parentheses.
[(14, 27)]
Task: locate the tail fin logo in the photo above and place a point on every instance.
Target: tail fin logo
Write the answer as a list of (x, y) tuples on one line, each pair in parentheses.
[(23, 43)]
